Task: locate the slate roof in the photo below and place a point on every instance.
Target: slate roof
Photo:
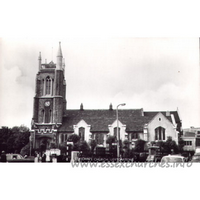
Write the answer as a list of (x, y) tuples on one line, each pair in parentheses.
[(100, 119), (175, 113)]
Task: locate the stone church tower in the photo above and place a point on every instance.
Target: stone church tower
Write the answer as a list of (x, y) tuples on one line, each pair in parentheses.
[(49, 101)]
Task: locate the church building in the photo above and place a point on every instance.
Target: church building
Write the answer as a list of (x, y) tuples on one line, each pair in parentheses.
[(53, 122)]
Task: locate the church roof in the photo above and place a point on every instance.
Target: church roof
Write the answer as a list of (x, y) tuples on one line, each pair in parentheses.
[(175, 113), (134, 119)]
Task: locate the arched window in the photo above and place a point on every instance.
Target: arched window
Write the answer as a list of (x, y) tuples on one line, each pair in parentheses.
[(43, 87), (52, 83), (160, 133), (48, 85), (82, 133), (50, 116), (47, 114)]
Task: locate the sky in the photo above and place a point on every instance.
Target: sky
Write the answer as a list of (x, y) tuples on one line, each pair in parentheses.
[(153, 73), (133, 52)]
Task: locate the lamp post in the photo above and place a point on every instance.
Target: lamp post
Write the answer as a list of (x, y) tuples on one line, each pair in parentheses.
[(118, 136), (30, 141)]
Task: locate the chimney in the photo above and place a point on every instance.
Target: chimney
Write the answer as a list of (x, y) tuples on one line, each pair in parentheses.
[(142, 112), (59, 58), (168, 113), (81, 106), (40, 61)]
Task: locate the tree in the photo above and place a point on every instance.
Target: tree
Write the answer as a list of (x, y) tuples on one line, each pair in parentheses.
[(63, 148), (126, 148), (113, 148), (25, 150), (84, 147), (79, 145), (10, 144), (181, 144), (126, 144), (13, 140), (92, 144), (21, 137), (110, 140), (5, 133), (170, 145), (160, 144), (52, 145), (139, 145), (73, 138), (75, 146)]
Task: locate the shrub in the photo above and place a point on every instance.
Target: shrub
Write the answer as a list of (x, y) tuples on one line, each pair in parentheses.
[(25, 150)]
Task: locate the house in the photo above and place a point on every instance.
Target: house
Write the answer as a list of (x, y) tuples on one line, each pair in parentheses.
[(191, 138)]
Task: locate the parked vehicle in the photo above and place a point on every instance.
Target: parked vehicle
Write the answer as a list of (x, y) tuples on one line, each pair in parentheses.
[(143, 156), (155, 154), (196, 158), (188, 155), (75, 156), (197, 150), (173, 159), (11, 156), (18, 158)]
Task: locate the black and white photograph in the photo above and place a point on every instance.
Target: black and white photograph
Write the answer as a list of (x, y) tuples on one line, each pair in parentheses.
[(100, 99), (99, 93)]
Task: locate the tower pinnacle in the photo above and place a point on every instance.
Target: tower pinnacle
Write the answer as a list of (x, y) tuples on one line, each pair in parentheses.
[(59, 57), (40, 61), (59, 54)]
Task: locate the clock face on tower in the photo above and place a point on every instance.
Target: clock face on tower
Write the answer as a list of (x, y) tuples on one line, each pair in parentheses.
[(47, 103)]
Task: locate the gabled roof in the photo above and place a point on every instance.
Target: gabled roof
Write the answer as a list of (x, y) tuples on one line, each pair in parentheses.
[(153, 113), (100, 119)]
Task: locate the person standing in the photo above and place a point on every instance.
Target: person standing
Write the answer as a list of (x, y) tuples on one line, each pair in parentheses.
[(36, 158), (44, 157), (3, 157)]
